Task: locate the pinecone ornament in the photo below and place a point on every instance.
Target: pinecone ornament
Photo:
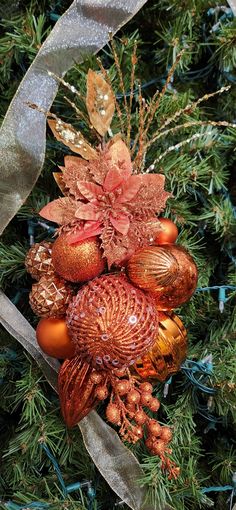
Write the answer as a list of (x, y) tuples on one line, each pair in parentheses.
[(38, 261), (50, 296)]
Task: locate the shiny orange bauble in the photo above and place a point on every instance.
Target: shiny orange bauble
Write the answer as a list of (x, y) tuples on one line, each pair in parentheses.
[(53, 338), (168, 352), (78, 262), (169, 232), (167, 272), (111, 322)]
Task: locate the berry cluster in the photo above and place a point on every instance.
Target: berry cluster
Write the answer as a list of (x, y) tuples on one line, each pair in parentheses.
[(128, 398)]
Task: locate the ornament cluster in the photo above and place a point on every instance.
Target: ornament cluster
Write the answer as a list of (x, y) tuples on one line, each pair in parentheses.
[(107, 286)]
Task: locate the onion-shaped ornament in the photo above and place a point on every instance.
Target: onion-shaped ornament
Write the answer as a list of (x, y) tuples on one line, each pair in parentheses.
[(77, 391)]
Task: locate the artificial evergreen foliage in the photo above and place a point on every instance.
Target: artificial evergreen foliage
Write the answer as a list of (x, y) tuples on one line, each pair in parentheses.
[(200, 174)]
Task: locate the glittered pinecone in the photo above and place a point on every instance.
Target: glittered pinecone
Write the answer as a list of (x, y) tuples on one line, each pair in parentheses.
[(38, 261), (50, 296)]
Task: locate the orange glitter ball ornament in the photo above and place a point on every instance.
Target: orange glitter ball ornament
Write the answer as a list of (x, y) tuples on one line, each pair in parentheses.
[(168, 272), (168, 352), (77, 262), (169, 232), (111, 322), (53, 338)]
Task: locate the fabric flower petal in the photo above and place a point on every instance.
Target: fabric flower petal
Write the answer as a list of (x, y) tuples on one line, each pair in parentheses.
[(61, 210), (120, 156), (113, 179), (90, 229), (121, 223), (88, 212), (130, 189), (89, 190)]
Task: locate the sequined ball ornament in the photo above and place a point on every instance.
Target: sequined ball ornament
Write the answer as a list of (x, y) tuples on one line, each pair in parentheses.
[(111, 322), (38, 260)]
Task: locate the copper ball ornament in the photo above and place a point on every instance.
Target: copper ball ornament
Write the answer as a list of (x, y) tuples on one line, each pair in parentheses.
[(38, 260), (152, 268), (169, 232), (50, 296), (54, 339), (168, 272), (111, 322), (168, 352), (78, 262)]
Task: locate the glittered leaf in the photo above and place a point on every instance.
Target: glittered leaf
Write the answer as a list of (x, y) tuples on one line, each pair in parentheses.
[(61, 211), (100, 102), (75, 169), (73, 139), (58, 176), (151, 197), (76, 390)]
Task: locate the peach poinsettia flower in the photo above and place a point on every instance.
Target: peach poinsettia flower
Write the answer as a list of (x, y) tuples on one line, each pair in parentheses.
[(105, 199)]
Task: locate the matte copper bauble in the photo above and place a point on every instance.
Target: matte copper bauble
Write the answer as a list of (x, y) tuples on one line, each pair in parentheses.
[(152, 268), (77, 262), (77, 392), (168, 272), (53, 338), (169, 232), (50, 296), (111, 322), (168, 352), (38, 260)]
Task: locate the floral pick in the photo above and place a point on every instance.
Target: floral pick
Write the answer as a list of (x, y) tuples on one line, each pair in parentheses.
[(102, 195)]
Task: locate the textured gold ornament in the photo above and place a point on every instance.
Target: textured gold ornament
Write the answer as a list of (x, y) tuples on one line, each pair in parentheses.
[(168, 352), (38, 261), (50, 296), (111, 322)]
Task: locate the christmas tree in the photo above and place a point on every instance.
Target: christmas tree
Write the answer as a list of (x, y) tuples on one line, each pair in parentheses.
[(187, 53)]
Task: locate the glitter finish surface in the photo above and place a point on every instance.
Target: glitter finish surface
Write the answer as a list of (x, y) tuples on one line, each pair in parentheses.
[(111, 322), (78, 262), (168, 352)]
